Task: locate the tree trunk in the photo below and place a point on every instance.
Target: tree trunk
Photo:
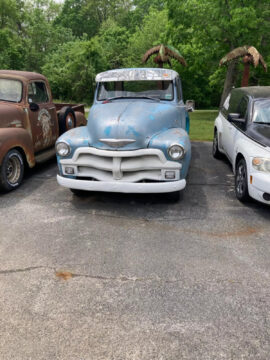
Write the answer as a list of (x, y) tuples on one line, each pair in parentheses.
[(229, 81), (245, 77)]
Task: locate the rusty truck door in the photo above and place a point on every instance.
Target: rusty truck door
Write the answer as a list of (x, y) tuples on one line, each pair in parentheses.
[(43, 119)]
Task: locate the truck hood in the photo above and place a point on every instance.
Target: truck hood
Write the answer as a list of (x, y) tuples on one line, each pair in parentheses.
[(129, 124), (11, 115)]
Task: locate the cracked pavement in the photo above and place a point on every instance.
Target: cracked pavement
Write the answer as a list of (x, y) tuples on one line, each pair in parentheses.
[(134, 277)]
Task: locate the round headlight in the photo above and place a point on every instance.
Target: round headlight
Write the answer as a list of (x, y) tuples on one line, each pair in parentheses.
[(176, 152), (62, 149)]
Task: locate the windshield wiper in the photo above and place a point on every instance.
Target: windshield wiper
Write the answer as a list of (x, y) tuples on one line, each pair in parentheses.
[(131, 97), (261, 122)]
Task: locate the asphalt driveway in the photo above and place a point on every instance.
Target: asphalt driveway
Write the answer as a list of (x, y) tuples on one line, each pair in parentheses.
[(128, 277)]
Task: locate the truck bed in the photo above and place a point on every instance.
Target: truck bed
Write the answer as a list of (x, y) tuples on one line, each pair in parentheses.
[(75, 107)]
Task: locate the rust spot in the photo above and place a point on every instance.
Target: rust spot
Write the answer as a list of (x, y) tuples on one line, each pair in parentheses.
[(65, 275), (238, 232)]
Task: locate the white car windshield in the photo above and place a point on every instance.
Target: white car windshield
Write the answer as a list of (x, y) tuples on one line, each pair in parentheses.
[(261, 113), (157, 90), (10, 90)]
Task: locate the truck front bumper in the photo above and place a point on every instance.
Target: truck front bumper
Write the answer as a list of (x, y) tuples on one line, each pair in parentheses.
[(136, 171), (122, 187)]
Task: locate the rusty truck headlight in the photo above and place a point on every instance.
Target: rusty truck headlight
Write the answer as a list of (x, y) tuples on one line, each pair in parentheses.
[(62, 149), (176, 152)]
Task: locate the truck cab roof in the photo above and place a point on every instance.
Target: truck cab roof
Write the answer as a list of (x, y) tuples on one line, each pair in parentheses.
[(137, 74), (22, 75)]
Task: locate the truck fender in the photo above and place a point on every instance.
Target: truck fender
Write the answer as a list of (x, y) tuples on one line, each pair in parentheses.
[(17, 138), (80, 119)]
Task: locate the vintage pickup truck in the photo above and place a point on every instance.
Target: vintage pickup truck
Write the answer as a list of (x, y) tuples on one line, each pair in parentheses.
[(136, 139), (30, 123)]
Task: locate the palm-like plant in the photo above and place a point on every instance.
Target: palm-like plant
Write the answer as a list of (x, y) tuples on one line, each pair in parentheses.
[(250, 56), (164, 53)]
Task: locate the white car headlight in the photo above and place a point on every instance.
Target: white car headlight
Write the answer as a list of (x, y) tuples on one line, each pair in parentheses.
[(261, 164), (176, 152), (62, 149)]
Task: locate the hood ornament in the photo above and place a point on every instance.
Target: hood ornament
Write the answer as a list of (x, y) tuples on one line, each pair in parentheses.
[(117, 142)]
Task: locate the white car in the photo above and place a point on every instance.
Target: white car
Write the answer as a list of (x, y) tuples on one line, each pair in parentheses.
[(242, 133)]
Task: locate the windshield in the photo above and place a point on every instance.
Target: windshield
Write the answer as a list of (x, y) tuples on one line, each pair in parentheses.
[(10, 90), (261, 113), (159, 90)]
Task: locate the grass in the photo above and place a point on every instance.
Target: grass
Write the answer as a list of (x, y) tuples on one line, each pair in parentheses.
[(202, 125)]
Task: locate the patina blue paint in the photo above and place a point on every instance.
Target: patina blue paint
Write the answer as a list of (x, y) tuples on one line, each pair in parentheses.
[(77, 137), (139, 119), (107, 130)]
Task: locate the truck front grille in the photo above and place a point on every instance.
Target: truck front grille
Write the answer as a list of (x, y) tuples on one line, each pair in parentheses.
[(129, 166)]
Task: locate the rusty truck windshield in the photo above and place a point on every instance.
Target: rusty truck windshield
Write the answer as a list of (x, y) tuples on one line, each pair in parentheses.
[(10, 90), (159, 90)]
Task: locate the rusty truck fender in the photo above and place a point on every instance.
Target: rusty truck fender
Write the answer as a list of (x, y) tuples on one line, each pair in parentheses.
[(18, 138)]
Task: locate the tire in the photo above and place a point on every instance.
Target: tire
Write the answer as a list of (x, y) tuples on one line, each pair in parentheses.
[(12, 170), (241, 181), (173, 196), (78, 192), (66, 119), (215, 151)]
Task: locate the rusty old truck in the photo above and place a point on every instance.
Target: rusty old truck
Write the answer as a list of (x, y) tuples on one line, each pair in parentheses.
[(30, 123)]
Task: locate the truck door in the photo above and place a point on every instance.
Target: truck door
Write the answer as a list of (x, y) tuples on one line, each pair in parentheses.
[(183, 114), (43, 116)]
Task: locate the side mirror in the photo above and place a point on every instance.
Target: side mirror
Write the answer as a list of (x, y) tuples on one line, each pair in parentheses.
[(33, 106), (190, 105), (235, 117)]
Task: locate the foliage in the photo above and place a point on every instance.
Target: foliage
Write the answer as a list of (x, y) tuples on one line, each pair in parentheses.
[(86, 16), (73, 40), (72, 68), (207, 30), (113, 39), (151, 32)]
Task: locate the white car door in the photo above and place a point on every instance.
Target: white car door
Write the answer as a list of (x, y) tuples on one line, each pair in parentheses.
[(223, 114), (232, 129)]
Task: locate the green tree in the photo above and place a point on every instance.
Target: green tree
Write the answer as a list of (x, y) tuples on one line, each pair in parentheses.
[(72, 68), (113, 40), (151, 33), (86, 16), (207, 29), (41, 36)]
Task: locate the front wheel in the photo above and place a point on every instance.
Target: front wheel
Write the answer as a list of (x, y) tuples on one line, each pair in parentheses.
[(241, 181), (78, 192), (215, 151), (173, 196), (12, 170)]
